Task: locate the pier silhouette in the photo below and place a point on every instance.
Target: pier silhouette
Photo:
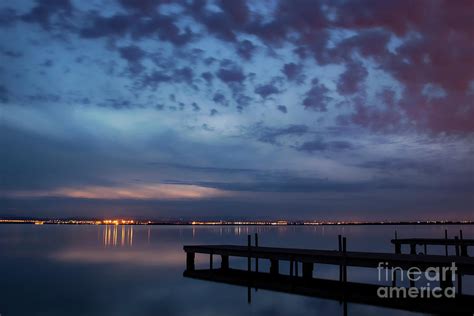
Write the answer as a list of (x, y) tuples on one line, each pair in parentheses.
[(305, 283)]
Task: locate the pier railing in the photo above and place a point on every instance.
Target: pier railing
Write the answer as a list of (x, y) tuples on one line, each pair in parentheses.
[(458, 242)]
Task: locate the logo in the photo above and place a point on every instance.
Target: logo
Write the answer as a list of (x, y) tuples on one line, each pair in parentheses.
[(443, 277)]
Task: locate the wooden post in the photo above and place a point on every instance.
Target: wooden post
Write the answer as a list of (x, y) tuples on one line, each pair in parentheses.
[(413, 249), (190, 261), (224, 262), (456, 245), (446, 238), (398, 248), (459, 282), (462, 245), (308, 270), (339, 238), (256, 258), (449, 279), (211, 261), (291, 267), (274, 266), (249, 244), (412, 282), (344, 271), (296, 268), (394, 278)]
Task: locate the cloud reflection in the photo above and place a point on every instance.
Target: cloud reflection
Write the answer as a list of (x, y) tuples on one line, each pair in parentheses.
[(135, 257)]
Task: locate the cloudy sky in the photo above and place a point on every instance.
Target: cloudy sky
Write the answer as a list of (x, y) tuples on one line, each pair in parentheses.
[(260, 109)]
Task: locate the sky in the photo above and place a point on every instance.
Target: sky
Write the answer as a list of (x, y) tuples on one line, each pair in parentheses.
[(323, 110)]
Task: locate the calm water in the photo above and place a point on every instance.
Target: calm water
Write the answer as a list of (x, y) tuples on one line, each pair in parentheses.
[(137, 270)]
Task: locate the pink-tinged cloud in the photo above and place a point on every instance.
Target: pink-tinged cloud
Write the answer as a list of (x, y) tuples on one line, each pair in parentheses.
[(137, 192)]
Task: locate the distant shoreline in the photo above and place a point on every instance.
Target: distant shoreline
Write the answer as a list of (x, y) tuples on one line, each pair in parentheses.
[(221, 223)]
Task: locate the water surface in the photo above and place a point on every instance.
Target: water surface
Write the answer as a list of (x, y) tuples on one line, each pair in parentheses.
[(137, 270)]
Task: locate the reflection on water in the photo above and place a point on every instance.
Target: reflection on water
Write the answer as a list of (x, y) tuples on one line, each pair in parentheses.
[(345, 292), (117, 235)]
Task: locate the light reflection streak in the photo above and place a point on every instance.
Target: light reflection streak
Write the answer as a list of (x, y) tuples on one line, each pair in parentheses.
[(111, 235)]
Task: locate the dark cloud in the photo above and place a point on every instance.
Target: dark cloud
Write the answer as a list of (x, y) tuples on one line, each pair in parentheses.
[(320, 145), (12, 54), (387, 119), (293, 72), (282, 109), (397, 164), (44, 98), (352, 79), (132, 53), (231, 75), (147, 7), (316, 98), (266, 90), (241, 99), (219, 98), (116, 25), (271, 135), (154, 79), (367, 43), (246, 49), (170, 75), (208, 76), (196, 107), (184, 74), (3, 94), (7, 17), (138, 26), (47, 12), (225, 24), (47, 63), (119, 104)]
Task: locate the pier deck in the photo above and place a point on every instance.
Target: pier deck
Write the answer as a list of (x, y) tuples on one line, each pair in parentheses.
[(465, 265), (434, 241), (461, 245)]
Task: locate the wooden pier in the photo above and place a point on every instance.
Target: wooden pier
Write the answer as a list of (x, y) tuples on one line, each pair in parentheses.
[(307, 258), (460, 244)]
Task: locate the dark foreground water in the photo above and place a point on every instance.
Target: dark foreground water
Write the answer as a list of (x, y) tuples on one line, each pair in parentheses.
[(137, 270)]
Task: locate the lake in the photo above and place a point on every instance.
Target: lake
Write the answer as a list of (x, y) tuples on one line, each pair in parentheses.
[(138, 270)]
